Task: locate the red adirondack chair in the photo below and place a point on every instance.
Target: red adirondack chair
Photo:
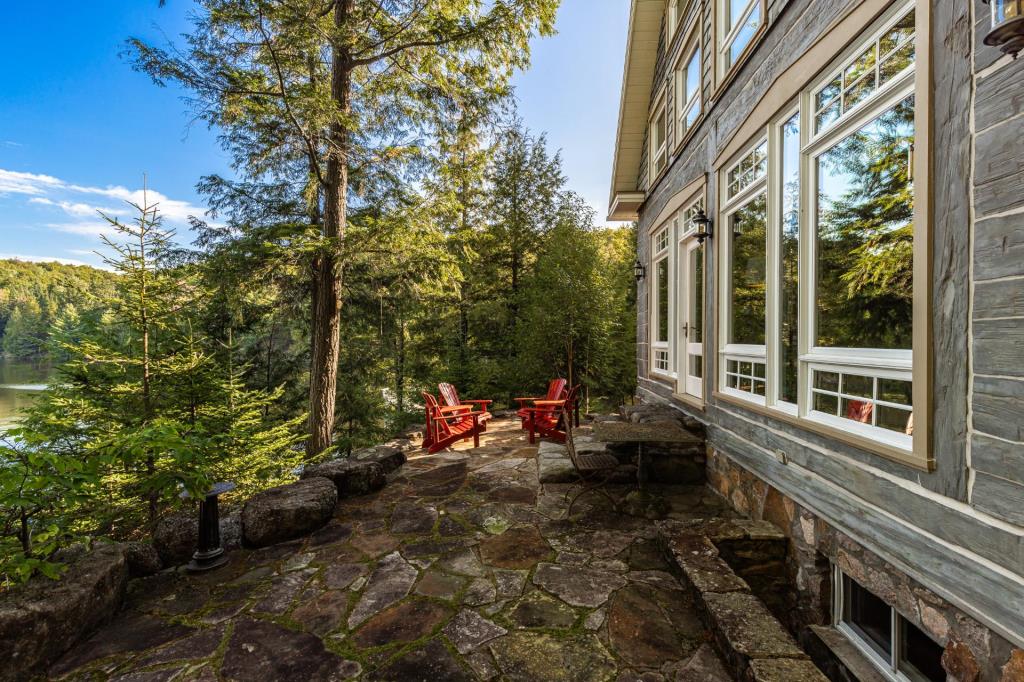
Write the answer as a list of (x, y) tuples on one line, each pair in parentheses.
[(547, 419), (556, 391), (447, 425), (450, 397)]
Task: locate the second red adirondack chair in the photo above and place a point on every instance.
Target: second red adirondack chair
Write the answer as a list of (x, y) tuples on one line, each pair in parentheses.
[(547, 418), (556, 391)]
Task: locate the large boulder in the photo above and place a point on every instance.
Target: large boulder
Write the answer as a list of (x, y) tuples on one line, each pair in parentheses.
[(350, 476), (43, 619), (176, 537), (143, 559), (390, 457), (288, 511)]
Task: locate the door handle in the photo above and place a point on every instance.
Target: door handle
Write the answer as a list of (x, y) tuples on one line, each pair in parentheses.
[(686, 329)]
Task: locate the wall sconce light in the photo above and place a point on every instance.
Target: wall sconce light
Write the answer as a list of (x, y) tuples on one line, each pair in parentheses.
[(639, 271), (704, 226), (1007, 26)]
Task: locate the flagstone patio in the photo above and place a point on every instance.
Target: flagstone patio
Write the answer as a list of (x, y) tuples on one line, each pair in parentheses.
[(462, 568)]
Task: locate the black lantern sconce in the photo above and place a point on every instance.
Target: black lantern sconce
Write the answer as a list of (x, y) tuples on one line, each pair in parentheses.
[(1007, 26), (704, 226), (639, 271)]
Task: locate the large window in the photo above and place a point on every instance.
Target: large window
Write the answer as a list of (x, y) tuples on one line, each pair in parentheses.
[(676, 9), (818, 248), (897, 647), (677, 297), (660, 303), (744, 273), (659, 139), (860, 254), (737, 23), (688, 87)]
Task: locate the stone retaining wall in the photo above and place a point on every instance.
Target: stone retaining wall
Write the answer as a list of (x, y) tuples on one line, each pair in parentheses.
[(42, 620), (973, 653)]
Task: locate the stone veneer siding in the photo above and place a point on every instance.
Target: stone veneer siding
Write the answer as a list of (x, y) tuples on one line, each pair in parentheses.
[(973, 652)]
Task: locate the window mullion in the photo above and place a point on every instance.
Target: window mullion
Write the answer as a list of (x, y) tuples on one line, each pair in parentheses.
[(773, 274), (805, 259)]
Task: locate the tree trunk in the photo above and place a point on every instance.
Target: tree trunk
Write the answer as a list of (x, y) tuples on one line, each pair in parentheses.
[(326, 307), (400, 367)]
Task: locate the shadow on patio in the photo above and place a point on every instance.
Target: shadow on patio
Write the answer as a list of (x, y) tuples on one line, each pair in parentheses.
[(463, 567)]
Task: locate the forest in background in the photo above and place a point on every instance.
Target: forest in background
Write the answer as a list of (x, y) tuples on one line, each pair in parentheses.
[(34, 297), (390, 223), (496, 285)]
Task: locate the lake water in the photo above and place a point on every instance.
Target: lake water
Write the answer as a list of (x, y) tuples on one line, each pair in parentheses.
[(20, 382)]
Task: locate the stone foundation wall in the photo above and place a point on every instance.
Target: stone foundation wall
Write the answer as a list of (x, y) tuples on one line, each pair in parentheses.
[(973, 652)]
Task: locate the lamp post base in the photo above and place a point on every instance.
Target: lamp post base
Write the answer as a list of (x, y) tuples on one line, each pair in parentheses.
[(207, 561)]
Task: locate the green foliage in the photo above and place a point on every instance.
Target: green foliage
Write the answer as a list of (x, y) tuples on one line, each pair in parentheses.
[(36, 296), (143, 408)]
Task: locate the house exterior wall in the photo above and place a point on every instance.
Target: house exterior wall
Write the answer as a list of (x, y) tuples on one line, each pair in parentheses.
[(956, 532)]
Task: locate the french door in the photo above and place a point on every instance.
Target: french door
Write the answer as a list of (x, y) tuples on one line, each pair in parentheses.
[(691, 318)]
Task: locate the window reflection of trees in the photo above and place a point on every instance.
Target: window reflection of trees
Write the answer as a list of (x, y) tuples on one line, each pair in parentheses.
[(865, 235), (748, 226)]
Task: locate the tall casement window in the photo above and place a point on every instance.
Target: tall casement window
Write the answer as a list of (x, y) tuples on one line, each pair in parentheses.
[(673, 18), (819, 249), (744, 274), (658, 138), (677, 297), (688, 86), (661, 302), (690, 346), (737, 22)]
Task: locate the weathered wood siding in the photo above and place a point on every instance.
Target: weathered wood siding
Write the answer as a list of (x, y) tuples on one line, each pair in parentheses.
[(997, 399), (958, 529)]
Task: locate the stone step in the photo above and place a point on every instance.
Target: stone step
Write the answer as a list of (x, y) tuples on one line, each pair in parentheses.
[(754, 644)]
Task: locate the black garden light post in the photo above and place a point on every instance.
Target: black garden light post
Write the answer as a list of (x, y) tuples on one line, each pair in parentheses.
[(1007, 26), (209, 554)]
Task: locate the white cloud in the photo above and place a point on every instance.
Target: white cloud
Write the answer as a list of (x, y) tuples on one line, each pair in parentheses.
[(78, 209), (172, 210), (41, 259), (81, 216), (84, 228), (14, 182)]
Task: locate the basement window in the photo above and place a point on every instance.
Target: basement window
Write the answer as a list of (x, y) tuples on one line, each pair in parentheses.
[(900, 650)]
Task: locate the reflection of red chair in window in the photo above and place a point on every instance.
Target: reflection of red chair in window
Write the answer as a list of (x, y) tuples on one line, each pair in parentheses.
[(450, 397), (860, 411), (447, 425), (556, 391), (547, 418)]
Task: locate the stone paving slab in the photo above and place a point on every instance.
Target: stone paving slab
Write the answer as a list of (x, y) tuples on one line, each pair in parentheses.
[(463, 567)]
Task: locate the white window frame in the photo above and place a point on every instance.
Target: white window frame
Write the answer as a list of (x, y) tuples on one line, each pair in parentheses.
[(689, 385), (673, 15), (892, 363), (663, 252), (878, 363), (684, 105), (729, 206), (727, 35), (892, 669), (659, 150)]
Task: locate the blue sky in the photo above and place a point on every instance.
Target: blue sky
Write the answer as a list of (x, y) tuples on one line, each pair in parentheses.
[(79, 129)]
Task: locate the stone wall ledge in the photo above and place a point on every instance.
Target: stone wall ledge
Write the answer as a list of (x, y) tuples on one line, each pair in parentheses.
[(756, 646), (43, 619)]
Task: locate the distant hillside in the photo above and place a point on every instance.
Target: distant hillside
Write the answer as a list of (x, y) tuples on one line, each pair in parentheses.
[(35, 295)]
